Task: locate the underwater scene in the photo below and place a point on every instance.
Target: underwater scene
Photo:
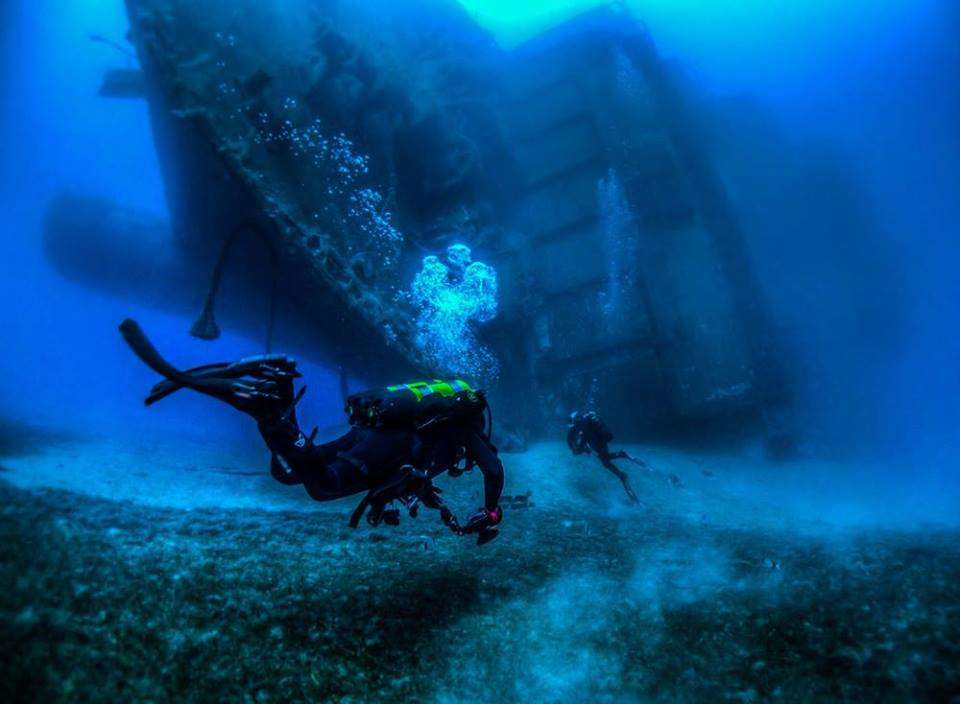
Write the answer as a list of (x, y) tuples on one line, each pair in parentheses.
[(465, 351)]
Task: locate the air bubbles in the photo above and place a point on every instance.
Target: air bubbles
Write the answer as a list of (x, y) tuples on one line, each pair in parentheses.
[(452, 296), (225, 39), (335, 159)]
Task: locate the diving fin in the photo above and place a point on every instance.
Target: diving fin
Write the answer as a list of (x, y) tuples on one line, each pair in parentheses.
[(164, 388), (137, 340), (256, 395), (148, 354), (486, 535)]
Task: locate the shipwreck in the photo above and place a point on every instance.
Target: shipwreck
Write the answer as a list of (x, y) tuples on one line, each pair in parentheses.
[(315, 152)]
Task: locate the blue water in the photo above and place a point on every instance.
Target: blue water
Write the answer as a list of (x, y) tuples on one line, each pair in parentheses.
[(71, 367), (179, 570), (877, 83)]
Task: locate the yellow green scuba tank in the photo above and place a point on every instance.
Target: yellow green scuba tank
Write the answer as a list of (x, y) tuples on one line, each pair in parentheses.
[(415, 405)]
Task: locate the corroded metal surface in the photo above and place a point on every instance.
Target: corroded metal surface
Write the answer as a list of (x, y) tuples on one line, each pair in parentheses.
[(305, 120)]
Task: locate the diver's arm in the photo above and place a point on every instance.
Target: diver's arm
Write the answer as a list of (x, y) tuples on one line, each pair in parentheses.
[(484, 522), (575, 441), (611, 467), (488, 462)]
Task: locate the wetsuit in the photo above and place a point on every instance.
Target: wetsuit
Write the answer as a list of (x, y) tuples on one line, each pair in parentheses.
[(364, 458), (383, 462), (588, 433)]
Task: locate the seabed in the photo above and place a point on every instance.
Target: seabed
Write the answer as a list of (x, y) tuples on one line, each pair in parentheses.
[(172, 573)]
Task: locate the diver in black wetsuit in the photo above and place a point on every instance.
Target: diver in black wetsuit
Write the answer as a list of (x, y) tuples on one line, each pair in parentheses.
[(588, 433), (385, 458)]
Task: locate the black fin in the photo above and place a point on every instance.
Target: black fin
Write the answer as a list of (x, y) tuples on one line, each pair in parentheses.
[(486, 535), (144, 349), (164, 388)]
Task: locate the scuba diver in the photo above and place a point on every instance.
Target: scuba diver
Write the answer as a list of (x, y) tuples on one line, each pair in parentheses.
[(400, 439), (588, 433)]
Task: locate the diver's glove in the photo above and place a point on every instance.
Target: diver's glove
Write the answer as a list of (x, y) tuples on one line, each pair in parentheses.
[(484, 523)]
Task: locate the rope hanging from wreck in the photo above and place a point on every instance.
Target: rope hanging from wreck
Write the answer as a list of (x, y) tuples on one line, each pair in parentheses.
[(205, 326)]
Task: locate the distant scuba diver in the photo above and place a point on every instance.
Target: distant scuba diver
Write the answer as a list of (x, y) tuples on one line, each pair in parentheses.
[(588, 433), (401, 438)]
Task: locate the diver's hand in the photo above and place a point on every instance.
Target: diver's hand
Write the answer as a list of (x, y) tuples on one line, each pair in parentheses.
[(483, 523)]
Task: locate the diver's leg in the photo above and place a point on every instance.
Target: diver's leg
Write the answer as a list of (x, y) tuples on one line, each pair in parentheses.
[(323, 473), (334, 481), (605, 458), (263, 388), (359, 461), (380, 453), (624, 455), (625, 480)]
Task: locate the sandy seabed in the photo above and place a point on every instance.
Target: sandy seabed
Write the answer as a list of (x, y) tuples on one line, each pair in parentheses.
[(183, 574)]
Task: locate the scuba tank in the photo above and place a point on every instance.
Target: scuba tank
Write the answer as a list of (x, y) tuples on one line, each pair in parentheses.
[(416, 405)]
